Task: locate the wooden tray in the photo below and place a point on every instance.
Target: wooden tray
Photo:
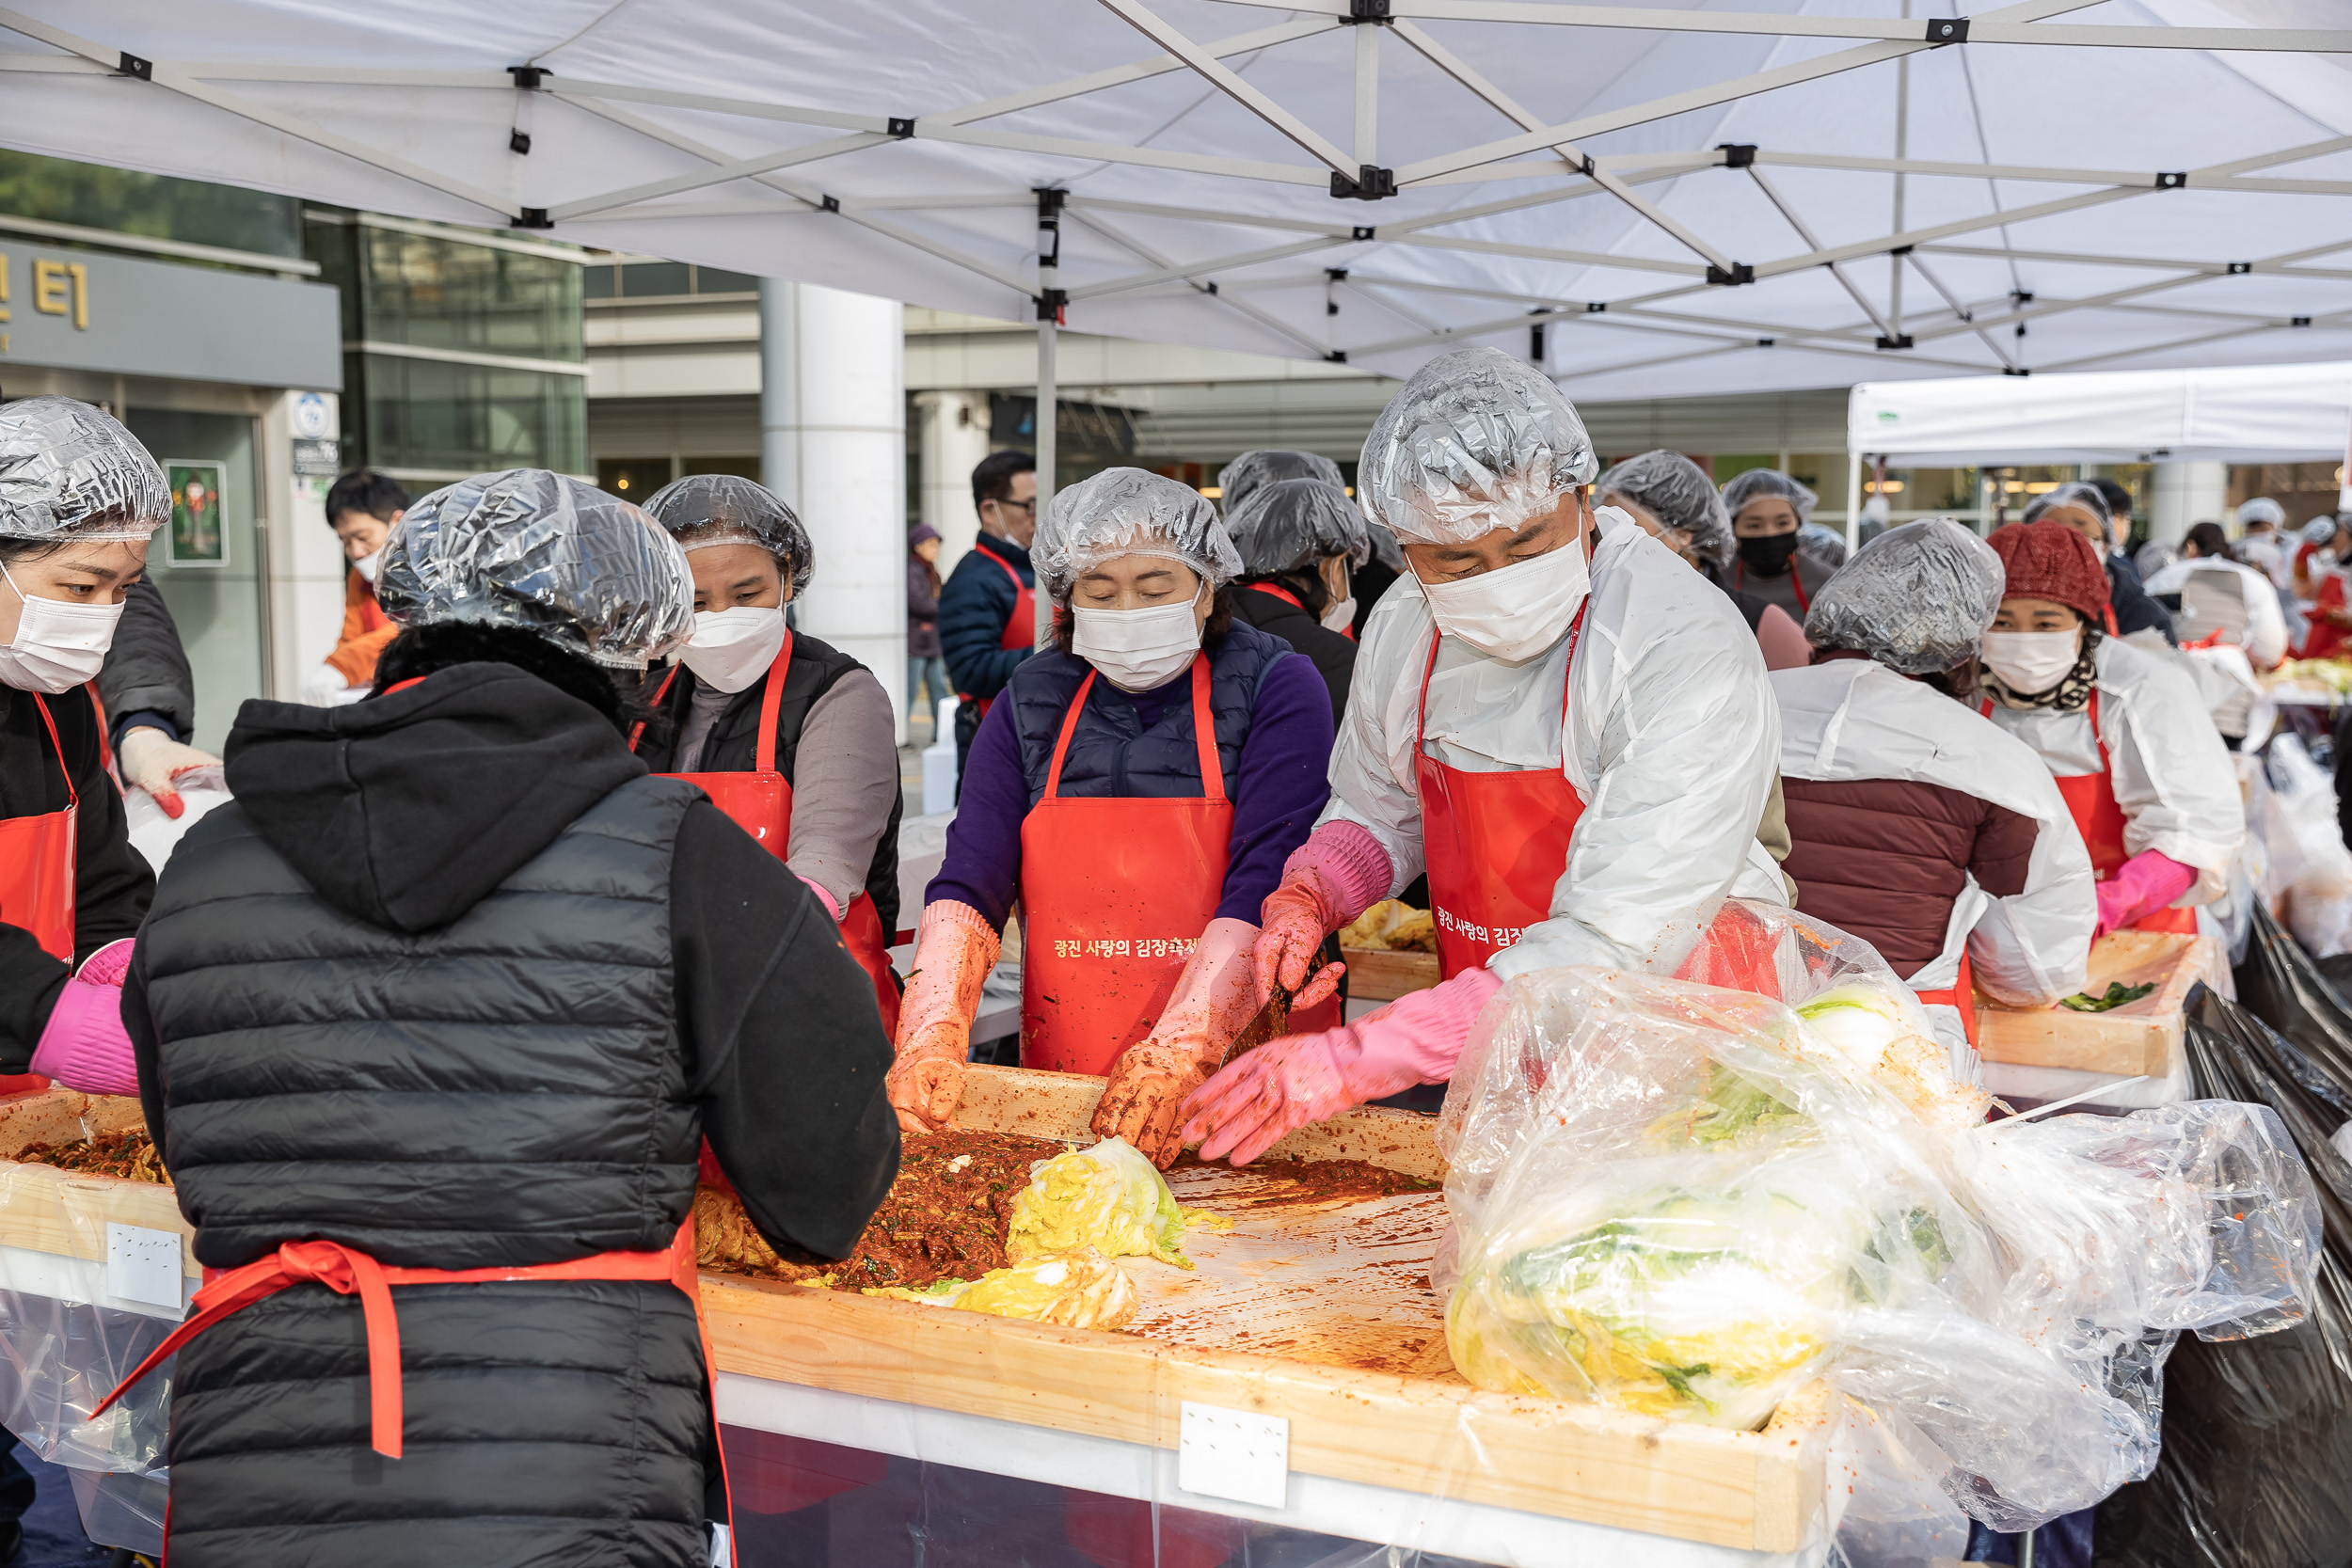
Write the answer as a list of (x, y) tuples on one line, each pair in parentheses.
[(1319, 1314), (1376, 974), (2140, 1038)]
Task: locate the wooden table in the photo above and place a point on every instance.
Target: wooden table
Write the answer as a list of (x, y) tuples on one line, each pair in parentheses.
[(1320, 1317), (2139, 1037)]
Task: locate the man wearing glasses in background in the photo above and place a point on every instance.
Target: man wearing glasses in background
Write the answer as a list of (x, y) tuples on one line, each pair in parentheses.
[(988, 610)]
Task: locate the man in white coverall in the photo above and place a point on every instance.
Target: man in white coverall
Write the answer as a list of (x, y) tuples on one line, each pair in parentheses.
[(1572, 733), (1917, 824)]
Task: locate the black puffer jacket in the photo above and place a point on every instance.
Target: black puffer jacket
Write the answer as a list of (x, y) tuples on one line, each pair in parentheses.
[(146, 672), (1334, 656), (454, 984)]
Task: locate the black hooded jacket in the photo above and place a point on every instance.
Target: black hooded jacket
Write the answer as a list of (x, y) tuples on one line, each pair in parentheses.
[(453, 982)]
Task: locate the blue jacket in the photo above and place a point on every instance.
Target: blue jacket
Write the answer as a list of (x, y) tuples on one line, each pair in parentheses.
[(973, 607)]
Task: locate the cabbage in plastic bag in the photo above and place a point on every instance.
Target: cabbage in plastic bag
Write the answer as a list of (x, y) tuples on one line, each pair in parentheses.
[(1108, 1197), (1685, 1201), (1075, 1290)]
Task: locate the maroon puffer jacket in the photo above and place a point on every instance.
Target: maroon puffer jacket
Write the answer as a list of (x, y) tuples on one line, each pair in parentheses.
[(1884, 859)]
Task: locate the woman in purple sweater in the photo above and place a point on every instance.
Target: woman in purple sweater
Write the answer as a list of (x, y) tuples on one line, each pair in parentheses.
[(1138, 794)]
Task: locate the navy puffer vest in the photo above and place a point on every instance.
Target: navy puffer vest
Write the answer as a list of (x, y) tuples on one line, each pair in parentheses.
[(1112, 753)]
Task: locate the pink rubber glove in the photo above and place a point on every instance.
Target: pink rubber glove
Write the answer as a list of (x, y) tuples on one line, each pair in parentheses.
[(822, 897), (85, 1045), (2142, 885), (1338, 873), (1211, 1004), (1285, 1083)]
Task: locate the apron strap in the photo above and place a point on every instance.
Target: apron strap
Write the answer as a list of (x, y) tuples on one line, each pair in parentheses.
[(764, 759), (1204, 735), (72, 800), (1068, 728), (637, 730), (98, 705)]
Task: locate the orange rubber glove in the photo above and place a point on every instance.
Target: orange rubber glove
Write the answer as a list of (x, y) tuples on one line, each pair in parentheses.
[(955, 947), (1213, 1002), (1337, 873)]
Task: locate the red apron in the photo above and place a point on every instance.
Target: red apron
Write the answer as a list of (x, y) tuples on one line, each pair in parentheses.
[(1962, 996), (37, 865), (760, 804), (348, 1271), (1021, 631), (1494, 843), (2090, 800), (1115, 893)]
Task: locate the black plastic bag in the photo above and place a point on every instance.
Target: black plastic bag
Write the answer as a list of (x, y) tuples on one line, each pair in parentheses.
[(2256, 1470), (2281, 984)]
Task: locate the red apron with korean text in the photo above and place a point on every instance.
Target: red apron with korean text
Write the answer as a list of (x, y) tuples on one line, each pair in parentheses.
[(1495, 843), (1021, 631), (2090, 800), (1115, 893), (760, 804), (347, 1270), (36, 875)]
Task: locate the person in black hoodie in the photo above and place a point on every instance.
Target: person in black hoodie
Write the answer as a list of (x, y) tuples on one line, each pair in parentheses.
[(1300, 539), (454, 985)]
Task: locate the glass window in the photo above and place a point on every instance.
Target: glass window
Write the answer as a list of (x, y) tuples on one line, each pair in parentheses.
[(152, 205), (655, 279), (431, 414), (742, 468), (597, 281), (429, 291), (715, 280)]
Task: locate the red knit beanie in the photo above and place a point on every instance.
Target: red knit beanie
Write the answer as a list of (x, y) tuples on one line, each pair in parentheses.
[(2050, 561)]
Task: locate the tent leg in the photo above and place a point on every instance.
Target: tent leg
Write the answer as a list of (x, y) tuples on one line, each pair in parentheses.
[(1048, 421), (1853, 502)]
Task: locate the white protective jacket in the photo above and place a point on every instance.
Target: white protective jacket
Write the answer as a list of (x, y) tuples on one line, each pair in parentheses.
[(2172, 776), (1670, 740), (1853, 719), (2228, 596)]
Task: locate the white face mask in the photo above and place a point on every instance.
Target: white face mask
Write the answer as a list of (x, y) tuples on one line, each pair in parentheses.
[(1517, 611), (1137, 650), (368, 564), (1340, 615), (57, 645), (733, 648), (2031, 662)]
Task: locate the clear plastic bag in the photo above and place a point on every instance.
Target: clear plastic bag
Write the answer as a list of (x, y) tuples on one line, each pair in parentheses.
[(1687, 1201)]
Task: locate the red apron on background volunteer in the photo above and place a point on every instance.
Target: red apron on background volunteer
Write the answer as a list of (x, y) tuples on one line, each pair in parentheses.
[(1796, 581), (760, 804), (1115, 893), (2090, 800), (1021, 630)]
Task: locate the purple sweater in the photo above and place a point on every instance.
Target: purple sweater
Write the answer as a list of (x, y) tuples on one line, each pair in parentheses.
[(1281, 789)]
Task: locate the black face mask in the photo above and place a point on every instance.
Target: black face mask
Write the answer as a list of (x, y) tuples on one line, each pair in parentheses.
[(1770, 554)]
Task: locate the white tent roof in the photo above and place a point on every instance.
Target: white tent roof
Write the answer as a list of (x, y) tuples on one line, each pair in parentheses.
[(2107, 179), (2247, 413)]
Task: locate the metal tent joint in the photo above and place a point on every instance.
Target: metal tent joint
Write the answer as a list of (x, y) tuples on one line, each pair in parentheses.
[(903, 128), (1361, 11), (519, 143), (2299, 320), (1737, 154), (2238, 267), (133, 66), (2172, 179), (1948, 29), (830, 203), (1901, 340), (1361, 232), (1370, 184), (529, 78), (1738, 272), (533, 217)]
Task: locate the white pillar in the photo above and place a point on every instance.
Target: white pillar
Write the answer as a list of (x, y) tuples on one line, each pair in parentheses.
[(2188, 493), (304, 581), (953, 430), (833, 444)]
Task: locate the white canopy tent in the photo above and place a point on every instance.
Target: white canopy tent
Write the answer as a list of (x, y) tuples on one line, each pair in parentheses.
[(2235, 414), (1646, 201)]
